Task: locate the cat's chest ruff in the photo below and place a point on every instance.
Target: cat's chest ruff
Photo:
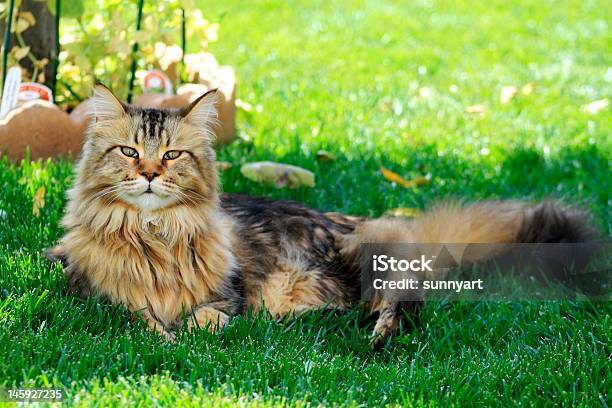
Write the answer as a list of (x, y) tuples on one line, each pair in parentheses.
[(151, 225)]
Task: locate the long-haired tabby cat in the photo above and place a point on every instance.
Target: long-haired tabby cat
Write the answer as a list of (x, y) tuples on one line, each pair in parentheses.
[(147, 228)]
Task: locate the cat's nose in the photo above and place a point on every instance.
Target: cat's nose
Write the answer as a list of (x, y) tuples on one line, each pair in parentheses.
[(149, 175)]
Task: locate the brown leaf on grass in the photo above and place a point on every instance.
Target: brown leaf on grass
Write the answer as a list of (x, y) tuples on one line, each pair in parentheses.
[(325, 156), (396, 178), (223, 165), (507, 94), (38, 201), (596, 106), (403, 212), (477, 109)]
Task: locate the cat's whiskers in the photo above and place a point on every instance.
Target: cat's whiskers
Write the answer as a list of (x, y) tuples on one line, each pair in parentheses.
[(104, 194), (106, 191), (187, 197), (197, 195), (174, 190)]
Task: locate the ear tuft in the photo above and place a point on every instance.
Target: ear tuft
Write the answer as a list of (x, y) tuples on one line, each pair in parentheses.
[(202, 111), (105, 105)]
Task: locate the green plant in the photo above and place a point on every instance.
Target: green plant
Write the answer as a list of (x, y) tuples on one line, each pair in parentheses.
[(96, 39)]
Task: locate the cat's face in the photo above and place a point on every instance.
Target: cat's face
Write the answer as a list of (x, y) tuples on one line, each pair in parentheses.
[(147, 158)]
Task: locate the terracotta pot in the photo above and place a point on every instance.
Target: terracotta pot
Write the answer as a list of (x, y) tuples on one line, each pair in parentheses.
[(41, 126), (79, 115)]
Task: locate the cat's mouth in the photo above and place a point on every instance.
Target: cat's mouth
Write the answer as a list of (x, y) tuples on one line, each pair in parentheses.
[(148, 198)]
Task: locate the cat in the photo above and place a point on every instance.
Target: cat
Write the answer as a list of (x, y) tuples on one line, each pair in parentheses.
[(147, 227)]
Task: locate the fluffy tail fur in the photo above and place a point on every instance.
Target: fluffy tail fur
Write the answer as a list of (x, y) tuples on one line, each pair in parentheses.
[(491, 222)]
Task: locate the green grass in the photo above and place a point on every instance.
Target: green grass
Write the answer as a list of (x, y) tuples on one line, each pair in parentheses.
[(344, 76)]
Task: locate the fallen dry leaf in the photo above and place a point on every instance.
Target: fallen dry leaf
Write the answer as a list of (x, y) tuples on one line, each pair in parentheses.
[(507, 94), (38, 201), (396, 178), (528, 89), (479, 109), (325, 156), (278, 174), (596, 106), (223, 165), (403, 212)]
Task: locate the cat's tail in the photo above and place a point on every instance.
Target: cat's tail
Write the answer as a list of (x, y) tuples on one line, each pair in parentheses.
[(492, 222)]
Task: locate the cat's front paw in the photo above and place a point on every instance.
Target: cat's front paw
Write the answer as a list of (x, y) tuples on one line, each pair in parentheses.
[(384, 329), (168, 336), (158, 328), (392, 319), (207, 317)]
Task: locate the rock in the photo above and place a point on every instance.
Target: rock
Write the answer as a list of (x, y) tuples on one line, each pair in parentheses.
[(42, 127)]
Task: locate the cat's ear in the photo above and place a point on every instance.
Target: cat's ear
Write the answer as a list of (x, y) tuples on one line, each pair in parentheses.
[(105, 105), (202, 111)]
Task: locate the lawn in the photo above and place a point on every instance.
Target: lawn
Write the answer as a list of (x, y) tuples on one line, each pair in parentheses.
[(376, 84)]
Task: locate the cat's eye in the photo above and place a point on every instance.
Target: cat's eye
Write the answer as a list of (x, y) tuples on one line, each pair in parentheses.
[(172, 154), (129, 152)]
